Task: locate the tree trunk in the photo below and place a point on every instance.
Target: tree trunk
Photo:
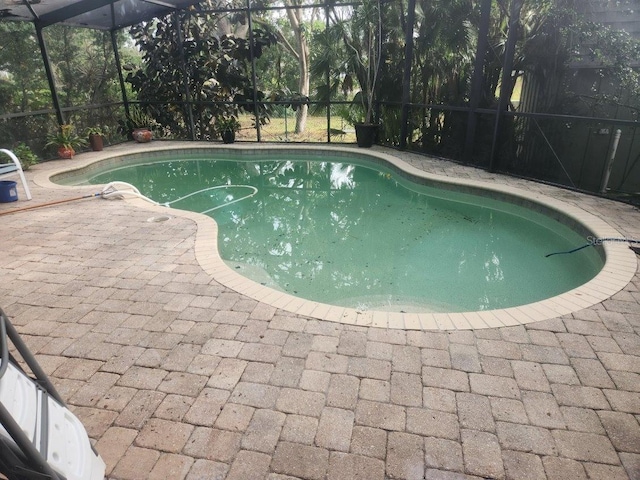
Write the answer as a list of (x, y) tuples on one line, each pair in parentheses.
[(302, 47), (301, 118)]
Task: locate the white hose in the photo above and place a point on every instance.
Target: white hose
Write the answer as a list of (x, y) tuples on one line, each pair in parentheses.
[(255, 190), (118, 190)]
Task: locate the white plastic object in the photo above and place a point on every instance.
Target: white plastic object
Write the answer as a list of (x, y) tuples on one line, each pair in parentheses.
[(68, 447)]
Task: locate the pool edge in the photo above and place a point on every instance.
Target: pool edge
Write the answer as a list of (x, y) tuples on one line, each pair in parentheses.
[(619, 268)]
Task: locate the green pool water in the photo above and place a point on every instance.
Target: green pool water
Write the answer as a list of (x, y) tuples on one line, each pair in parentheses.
[(347, 233)]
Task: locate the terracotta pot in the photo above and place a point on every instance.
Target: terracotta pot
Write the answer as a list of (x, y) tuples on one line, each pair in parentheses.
[(66, 152), (142, 135), (96, 142)]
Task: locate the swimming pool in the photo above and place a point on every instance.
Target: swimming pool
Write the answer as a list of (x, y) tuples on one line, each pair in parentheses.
[(464, 246)]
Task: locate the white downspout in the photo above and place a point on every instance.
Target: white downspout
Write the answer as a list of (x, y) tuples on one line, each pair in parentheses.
[(612, 156)]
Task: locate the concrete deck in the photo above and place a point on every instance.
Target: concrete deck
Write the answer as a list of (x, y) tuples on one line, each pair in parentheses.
[(176, 376)]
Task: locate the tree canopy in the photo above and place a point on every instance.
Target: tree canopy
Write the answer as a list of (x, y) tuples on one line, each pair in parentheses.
[(221, 59), (194, 69)]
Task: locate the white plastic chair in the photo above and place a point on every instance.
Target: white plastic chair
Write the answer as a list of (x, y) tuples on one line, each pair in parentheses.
[(9, 169)]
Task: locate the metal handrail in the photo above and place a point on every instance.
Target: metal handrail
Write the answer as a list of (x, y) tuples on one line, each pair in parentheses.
[(4, 354)]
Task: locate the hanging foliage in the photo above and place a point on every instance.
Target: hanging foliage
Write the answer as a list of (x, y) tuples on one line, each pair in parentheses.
[(214, 74)]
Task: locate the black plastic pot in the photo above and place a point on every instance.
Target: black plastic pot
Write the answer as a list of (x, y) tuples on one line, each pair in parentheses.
[(366, 134), (228, 136)]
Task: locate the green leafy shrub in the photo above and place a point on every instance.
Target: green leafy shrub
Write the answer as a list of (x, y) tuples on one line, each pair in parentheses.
[(25, 155)]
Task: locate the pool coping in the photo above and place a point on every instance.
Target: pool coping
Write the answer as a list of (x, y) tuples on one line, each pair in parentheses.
[(619, 268)]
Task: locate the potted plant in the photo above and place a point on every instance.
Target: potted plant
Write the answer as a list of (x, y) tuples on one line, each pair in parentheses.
[(370, 65), (65, 141), (96, 138), (140, 123), (364, 42), (25, 155), (227, 126)]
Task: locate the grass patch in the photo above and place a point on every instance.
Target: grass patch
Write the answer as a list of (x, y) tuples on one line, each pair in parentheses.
[(282, 129)]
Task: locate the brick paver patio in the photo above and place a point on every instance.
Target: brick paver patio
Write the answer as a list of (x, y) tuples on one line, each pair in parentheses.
[(178, 377)]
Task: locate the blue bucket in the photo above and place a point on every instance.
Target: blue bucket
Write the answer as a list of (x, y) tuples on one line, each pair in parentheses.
[(8, 191)]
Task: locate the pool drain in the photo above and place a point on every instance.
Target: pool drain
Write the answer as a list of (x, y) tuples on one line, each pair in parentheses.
[(158, 219)]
